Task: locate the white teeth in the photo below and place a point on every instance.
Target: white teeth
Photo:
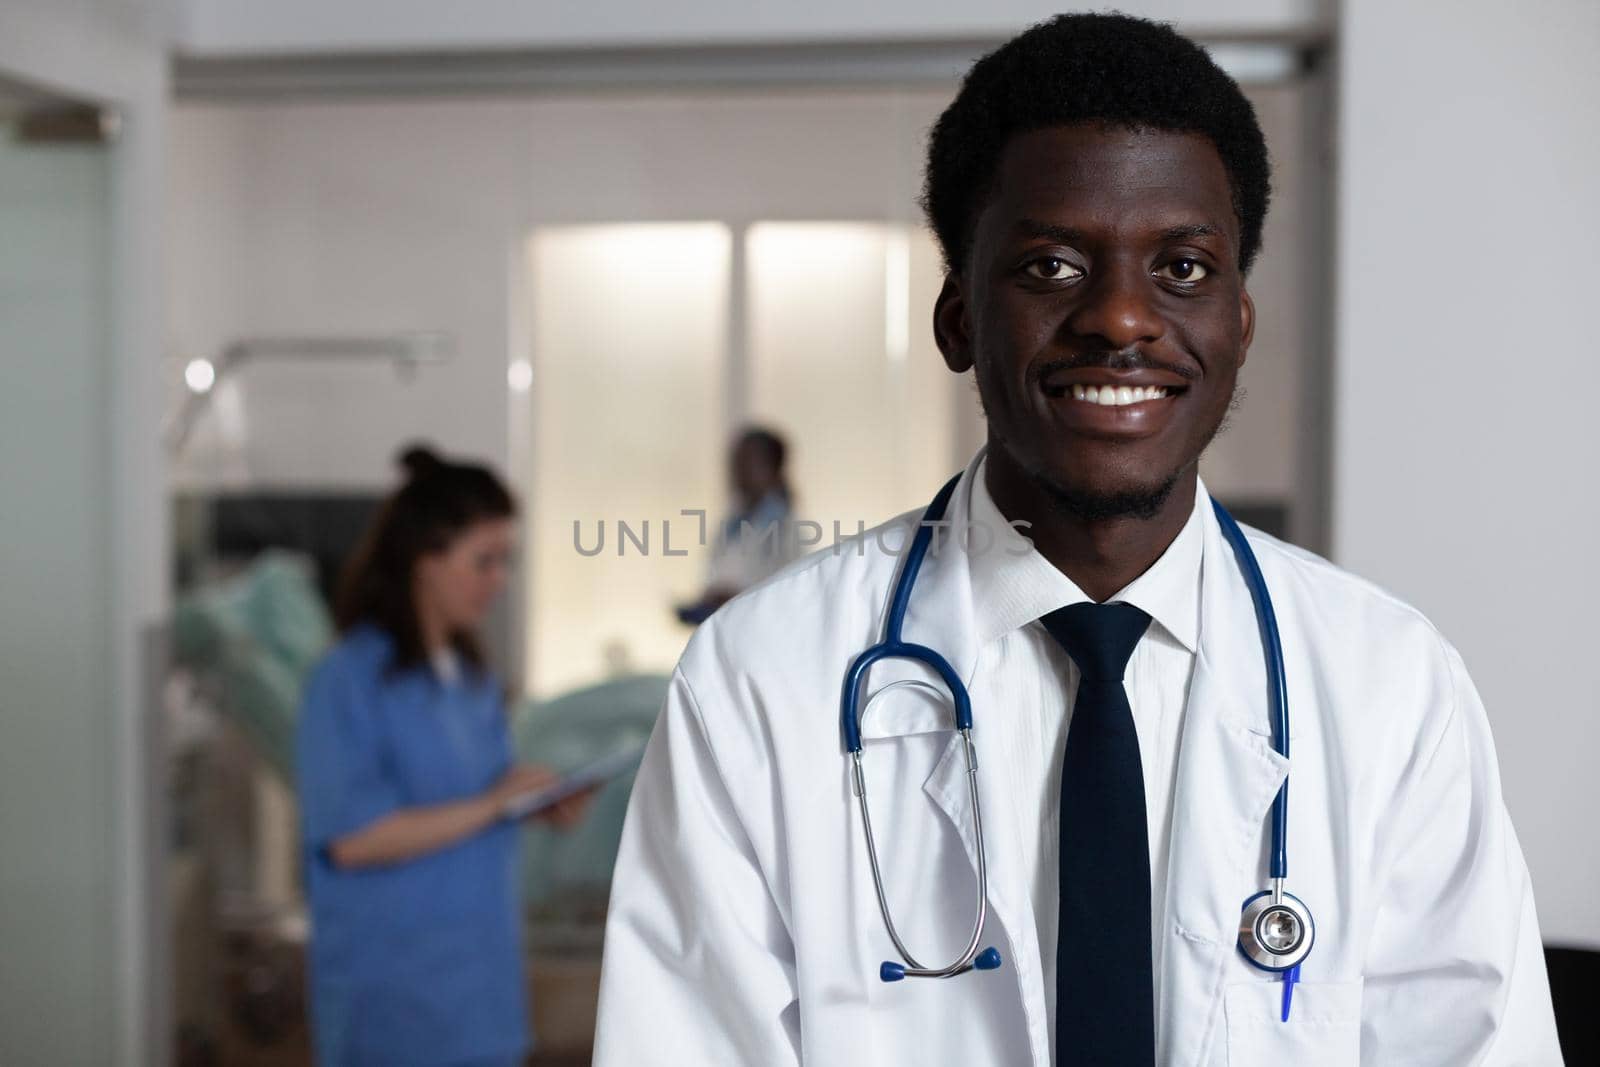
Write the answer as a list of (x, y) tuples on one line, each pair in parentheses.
[(1118, 396)]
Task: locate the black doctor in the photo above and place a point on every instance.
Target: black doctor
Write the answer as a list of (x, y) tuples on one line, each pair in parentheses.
[(1096, 240), (1098, 187)]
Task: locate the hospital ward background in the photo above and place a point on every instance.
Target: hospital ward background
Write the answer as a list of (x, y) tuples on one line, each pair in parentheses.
[(249, 254)]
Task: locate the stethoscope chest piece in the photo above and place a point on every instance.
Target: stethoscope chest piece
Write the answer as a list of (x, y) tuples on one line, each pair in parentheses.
[(1275, 930)]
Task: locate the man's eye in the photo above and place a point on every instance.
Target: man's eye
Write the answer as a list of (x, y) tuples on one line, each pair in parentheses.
[(1052, 269), (1186, 270)]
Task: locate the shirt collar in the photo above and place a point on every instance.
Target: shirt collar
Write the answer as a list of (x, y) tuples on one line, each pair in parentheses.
[(1012, 584), (447, 664)]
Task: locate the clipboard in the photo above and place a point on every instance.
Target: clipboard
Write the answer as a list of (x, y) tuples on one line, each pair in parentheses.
[(597, 773)]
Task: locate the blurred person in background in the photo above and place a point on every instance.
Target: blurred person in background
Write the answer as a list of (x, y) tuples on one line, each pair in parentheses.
[(754, 542), (405, 771)]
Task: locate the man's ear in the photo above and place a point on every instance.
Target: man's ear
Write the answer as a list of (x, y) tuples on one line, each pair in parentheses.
[(952, 330), (1247, 323)]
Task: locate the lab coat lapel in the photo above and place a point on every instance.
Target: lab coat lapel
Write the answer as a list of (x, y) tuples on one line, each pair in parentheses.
[(1228, 773), (940, 616)]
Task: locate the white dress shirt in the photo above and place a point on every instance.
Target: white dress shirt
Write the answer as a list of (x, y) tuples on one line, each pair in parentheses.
[(1037, 679)]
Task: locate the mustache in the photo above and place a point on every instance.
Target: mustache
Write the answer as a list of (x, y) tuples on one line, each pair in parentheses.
[(1107, 359)]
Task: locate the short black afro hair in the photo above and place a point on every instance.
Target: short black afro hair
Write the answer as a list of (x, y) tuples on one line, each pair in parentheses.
[(1108, 69)]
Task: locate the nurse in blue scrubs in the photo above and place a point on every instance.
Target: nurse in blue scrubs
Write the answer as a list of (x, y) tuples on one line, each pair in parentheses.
[(405, 766)]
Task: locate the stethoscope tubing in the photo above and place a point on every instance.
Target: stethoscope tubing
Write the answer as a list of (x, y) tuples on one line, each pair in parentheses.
[(1277, 685), (893, 646)]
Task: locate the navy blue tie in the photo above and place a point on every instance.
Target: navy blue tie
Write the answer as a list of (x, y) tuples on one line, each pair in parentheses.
[(1105, 984)]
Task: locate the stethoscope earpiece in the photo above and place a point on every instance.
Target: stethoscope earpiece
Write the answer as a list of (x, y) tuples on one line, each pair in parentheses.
[(987, 960)]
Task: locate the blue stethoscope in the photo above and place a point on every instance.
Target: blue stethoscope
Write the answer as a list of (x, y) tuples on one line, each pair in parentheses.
[(1275, 928)]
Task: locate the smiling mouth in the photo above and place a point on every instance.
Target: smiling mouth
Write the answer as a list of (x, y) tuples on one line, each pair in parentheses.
[(1118, 395), (1110, 395), (1111, 405)]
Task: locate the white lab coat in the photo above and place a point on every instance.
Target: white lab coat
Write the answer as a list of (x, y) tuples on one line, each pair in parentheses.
[(743, 926)]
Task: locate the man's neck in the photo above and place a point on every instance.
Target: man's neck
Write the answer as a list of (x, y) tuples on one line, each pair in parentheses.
[(1101, 556)]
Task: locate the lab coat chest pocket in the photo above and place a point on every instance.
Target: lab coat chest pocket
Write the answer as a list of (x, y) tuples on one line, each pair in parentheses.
[(1324, 1027)]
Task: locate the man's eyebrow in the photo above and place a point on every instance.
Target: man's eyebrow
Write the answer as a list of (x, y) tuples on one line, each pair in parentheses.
[(1190, 231), (1072, 235), (1067, 235)]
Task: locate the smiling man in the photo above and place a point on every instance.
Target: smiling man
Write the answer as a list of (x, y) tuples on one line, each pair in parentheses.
[(806, 878)]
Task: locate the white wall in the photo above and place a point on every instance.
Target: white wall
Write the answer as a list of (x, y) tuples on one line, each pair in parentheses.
[(361, 221), (222, 27), (362, 217), (1466, 440), (88, 760)]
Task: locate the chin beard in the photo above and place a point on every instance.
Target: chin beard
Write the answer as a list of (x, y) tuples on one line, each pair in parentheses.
[(1088, 506), (1145, 504)]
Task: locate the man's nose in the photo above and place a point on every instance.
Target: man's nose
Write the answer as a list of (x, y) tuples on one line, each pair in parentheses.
[(1117, 307)]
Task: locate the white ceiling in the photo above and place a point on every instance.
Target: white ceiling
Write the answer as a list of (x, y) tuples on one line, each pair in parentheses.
[(219, 28)]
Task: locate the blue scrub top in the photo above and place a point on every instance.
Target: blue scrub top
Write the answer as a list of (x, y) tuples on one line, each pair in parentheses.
[(417, 964)]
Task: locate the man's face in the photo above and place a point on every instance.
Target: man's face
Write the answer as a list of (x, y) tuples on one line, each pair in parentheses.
[(1103, 269)]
